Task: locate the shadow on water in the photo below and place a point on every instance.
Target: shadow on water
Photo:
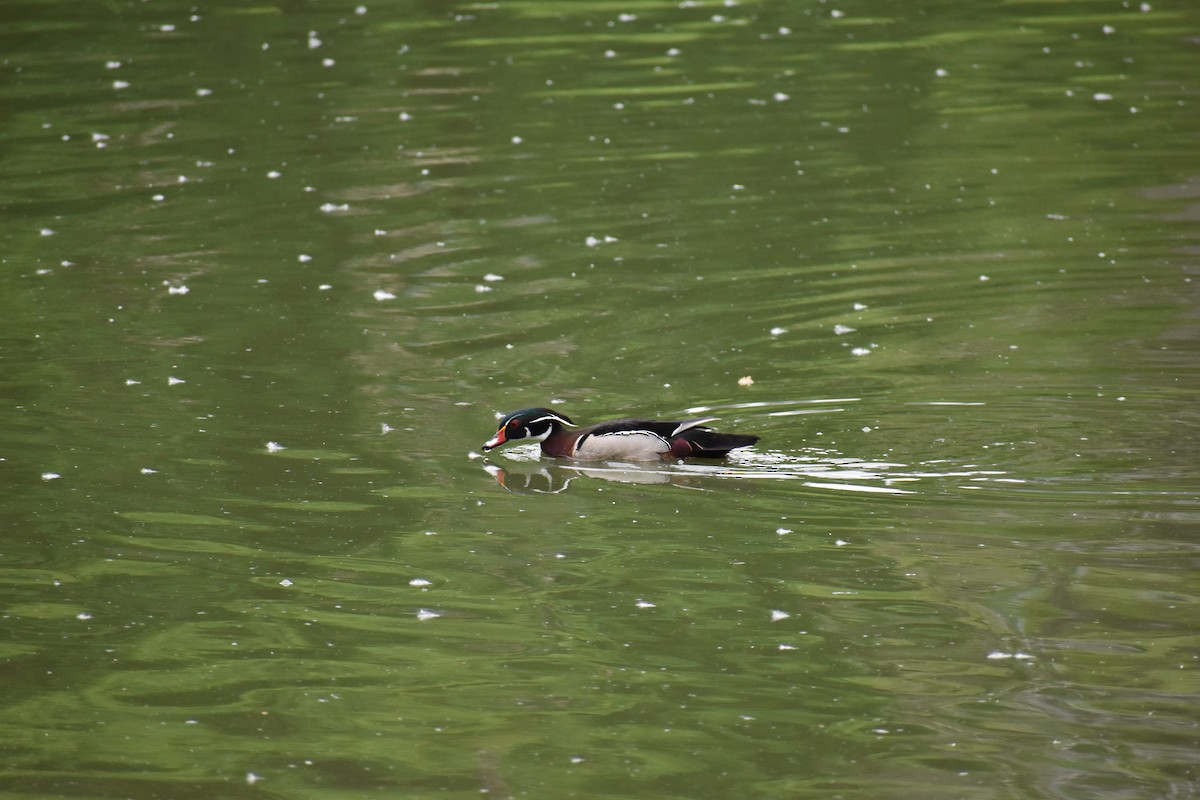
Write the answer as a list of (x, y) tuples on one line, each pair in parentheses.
[(525, 471)]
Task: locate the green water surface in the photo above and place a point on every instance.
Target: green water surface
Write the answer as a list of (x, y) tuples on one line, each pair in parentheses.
[(269, 272)]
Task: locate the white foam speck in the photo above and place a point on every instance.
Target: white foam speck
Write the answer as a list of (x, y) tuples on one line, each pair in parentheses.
[(381, 294), (285, 583), (645, 604), (420, 582), (778, 331), (173, 381), (776, 616), (178, 290), (492, 277), (783, 531), (274, 447), (50, 476), (425, 614), (842, 330)]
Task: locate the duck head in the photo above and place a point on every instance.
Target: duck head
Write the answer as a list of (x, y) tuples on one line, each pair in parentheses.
[(528, 423)]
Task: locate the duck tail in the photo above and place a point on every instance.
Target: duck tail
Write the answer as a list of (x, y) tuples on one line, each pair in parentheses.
[(710, 444)]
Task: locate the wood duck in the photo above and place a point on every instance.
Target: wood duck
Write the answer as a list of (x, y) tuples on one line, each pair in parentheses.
[(619, 439)]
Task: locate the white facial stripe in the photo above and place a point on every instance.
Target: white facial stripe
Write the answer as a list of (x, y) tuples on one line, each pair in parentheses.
[(539, 437), (548, 418)]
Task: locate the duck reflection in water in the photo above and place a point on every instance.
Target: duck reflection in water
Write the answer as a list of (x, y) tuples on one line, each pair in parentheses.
[(542, 478)]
